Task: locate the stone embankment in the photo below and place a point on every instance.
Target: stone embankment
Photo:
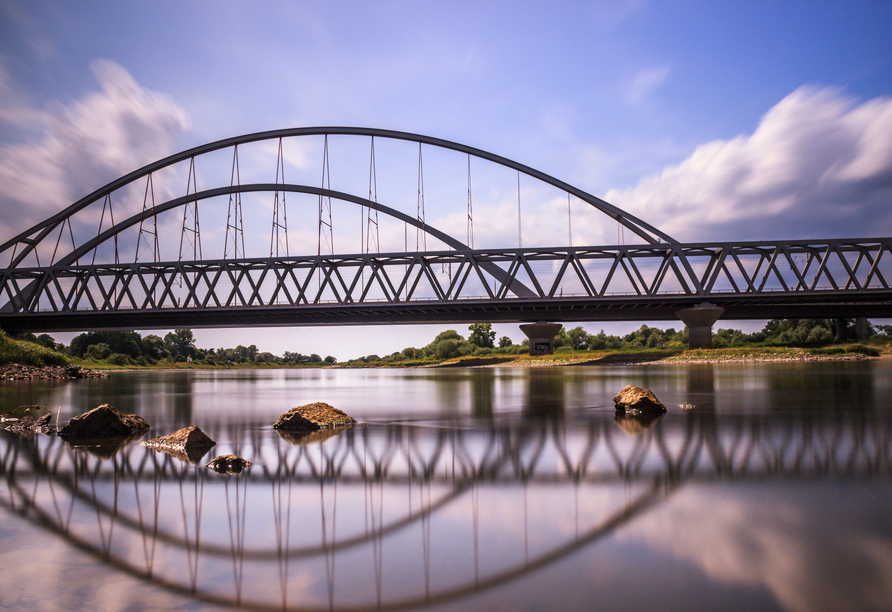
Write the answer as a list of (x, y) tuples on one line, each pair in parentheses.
[(15, 371)]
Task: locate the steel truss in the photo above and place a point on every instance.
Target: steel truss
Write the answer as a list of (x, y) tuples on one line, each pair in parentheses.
[(751, 280)]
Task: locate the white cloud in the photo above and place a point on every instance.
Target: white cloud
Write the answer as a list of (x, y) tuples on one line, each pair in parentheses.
[(82, 146), (819, 165)]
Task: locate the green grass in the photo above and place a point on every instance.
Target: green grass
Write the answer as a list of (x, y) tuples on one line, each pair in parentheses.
[(858, 349), (27, 353)]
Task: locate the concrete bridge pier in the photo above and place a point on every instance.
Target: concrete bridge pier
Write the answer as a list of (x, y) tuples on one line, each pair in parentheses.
[(699, 321), (862, 326), (541, 336)]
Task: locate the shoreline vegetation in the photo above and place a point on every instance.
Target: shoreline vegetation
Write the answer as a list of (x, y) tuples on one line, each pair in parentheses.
[(780, 341)]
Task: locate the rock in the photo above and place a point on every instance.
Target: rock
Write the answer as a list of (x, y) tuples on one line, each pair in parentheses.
[(188, 444), (28, 424), (15, 371), (104, 422), (637, 401), (311, 417), (228, 464)]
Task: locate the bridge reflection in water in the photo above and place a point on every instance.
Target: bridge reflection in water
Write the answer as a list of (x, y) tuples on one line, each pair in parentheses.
[(400, 516)]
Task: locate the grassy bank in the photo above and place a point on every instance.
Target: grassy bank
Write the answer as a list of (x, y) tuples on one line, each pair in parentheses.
[(27, 353)]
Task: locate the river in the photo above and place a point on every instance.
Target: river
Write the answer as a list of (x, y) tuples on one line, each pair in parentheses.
[(462, 489)]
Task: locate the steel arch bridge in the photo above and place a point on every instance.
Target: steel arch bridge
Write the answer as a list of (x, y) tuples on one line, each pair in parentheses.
[(65, 273)]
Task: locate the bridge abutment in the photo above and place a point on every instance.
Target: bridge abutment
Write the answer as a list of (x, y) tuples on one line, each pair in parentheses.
[(541, 337), (699, 321)]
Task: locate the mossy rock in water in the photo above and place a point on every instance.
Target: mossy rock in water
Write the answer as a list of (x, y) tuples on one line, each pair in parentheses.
[(228, 464), (638, 401), (188, 444), (311, 417), (104, 422)]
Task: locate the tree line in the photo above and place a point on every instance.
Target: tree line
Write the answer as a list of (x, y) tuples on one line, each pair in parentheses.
[(130, 348), (777, 332)]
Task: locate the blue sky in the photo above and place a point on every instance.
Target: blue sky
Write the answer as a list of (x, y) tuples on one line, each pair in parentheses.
[(710, 120)]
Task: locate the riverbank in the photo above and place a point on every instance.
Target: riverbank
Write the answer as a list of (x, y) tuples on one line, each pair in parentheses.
[(773, 354), (666, 357), (16, 371)]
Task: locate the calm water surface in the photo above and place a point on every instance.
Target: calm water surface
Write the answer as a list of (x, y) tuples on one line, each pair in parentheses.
[(486, 489)]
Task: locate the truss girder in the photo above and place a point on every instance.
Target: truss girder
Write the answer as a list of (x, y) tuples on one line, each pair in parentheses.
[(837, 270)]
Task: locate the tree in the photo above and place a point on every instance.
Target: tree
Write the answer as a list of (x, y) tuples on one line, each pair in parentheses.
[(125, 342), (447, 344), (153, 346), (504, 342), (180, 342), (482, 335), (577, 338), (46, 340)]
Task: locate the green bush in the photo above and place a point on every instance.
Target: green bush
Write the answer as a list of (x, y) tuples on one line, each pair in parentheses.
[(831, 350), (98, 351), (863, 350), (119, 359)]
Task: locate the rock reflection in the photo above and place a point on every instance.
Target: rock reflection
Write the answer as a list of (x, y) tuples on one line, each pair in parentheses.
[(636, 424), (104, 448), (310, 437), (415, 516)]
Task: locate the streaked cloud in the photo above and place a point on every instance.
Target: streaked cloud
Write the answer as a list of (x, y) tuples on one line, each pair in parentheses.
[(819, 162), (82, 146)]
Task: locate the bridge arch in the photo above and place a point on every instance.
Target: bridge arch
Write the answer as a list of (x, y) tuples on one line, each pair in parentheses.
[(24, 243)]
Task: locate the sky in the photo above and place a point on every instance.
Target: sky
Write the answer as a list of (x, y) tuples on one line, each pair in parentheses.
[(708, 120)]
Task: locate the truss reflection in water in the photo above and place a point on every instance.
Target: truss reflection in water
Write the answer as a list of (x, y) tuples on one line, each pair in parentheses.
[(400, 516)]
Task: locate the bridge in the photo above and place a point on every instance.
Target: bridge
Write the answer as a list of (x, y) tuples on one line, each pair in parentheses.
[(73, 270)]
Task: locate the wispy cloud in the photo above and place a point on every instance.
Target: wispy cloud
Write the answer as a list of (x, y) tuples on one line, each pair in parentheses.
[(818, 165), (84, 145), (646, 82)]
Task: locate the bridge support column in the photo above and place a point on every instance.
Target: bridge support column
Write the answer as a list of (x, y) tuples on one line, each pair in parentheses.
[(541, 337), (699, 321), (862, 326), (840, 330)]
